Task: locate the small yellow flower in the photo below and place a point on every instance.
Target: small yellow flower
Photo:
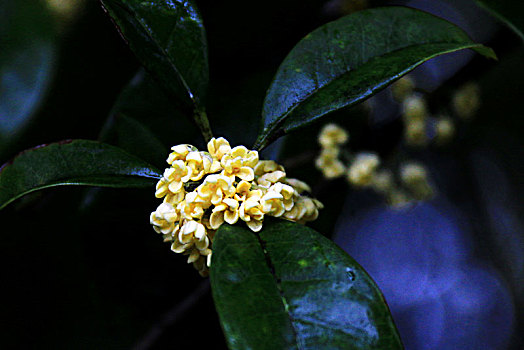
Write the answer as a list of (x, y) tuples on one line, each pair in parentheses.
[(176, 176), (362, 169), (311, 205), (415, 132), (199, 164), (414, 176), (287, 192), (215, 188), (192, 232), (332, 135), (414, 108), (164, 218), (226, 211), (218, 147), (297, 212), (267, 166), (272, 203), (251, 211), (271, 178), (445, 129), (179, 153), (193, 206), (328, 163), (240, 163), (162, 188), (242, 190), (402, 88), (466, 101), (175, 198)]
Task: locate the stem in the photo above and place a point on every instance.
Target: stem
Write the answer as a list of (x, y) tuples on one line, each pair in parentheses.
[(202, 122)]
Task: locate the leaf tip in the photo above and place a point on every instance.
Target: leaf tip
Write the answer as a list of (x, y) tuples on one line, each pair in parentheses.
[(487, 52)]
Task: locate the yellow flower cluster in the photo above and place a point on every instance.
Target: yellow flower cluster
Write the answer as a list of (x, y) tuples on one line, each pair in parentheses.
[(400, 187), (331, 137), (420, 126), (202, 190)]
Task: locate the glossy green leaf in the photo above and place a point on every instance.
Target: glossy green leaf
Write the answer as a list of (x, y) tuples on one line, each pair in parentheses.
[(511, 13), (168, 38), (350, 59), (292, 288), (145, 123), (73, 162), (27, 58)]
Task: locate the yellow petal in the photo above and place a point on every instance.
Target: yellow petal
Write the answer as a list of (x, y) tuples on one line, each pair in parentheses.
[(231, 217), (195, 254), (216, 219), (254, 225), (246, 173)]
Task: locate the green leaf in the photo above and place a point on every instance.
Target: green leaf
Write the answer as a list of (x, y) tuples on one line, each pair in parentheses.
[(168, 38), (511, 13), (27, 58), (350, 59), (292, 288), (145, 123), (136, 139), (72, 162)]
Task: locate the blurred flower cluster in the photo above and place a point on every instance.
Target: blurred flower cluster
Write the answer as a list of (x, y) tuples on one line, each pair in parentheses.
[(202, 190), (407, 180)]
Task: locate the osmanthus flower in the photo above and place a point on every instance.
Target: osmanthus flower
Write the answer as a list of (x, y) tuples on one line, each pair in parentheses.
[(216, 187), (193, 206), (204, 190), (331, 138), (466, 101), (414, 108), (218, 147), (332, 135), (180, 152), (363, 168), (251, 212), (164, 220), (402, 88), (414, 177), (227, 211), (240, 162), (199, 164)]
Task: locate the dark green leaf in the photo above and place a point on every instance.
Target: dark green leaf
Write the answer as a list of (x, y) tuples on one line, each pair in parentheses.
[(78, 162), (350, 59), (169, 39), (292, 288), (511, 13), (137, 139), (27, 57), (145, 123)]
